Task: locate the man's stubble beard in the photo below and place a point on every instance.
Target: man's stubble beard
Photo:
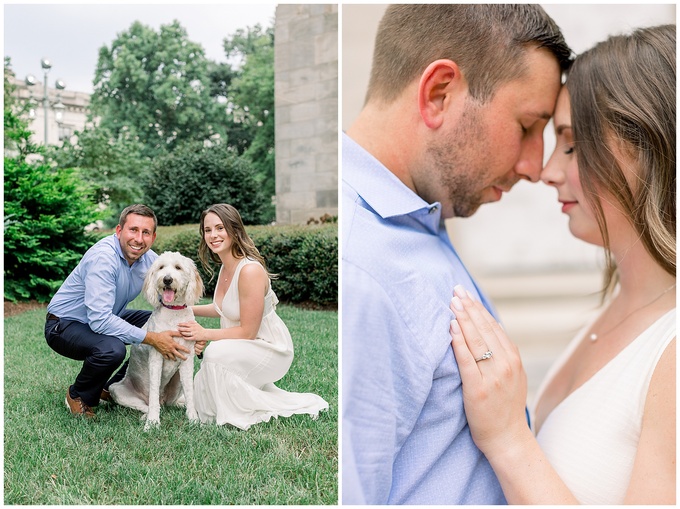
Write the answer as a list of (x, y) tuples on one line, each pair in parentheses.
[(455, 164)]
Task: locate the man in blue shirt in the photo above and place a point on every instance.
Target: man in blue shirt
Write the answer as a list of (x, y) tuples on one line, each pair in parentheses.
[(457, 102), (87, 319)]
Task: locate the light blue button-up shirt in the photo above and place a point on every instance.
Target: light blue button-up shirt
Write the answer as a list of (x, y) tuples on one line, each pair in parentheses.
[(100, 288), (405, 439)]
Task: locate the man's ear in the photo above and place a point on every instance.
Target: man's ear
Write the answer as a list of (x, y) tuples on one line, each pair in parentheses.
[(439, 81)]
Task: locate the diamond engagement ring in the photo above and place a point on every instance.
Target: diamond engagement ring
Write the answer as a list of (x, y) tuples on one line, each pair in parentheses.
[(487, 355)]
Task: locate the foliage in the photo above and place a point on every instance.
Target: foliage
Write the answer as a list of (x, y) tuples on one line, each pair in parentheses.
[(252, 94), (52, 458), (113, 166), (183, 184), (46, 210), (44, 240), (155, 91), (157, 85), (239, 135), (16, 133), (304, 257)]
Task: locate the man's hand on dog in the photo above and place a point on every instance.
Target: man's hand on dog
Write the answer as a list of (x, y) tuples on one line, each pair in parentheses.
[(166, 345)]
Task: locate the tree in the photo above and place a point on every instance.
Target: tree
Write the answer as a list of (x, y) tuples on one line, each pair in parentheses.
[(114, 167), (157, 86), (239, 135), (252, 93), (194, 176), (15, 133)]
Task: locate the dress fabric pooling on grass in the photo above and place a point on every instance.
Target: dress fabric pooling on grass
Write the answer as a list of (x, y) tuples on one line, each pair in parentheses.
[(235, 384)]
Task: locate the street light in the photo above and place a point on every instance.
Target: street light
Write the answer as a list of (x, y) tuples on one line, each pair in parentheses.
[(59, 85)]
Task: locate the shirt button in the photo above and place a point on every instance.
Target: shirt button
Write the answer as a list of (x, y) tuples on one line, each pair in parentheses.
[(433, 209)]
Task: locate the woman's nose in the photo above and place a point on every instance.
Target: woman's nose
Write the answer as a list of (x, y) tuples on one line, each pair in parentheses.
[(551, 173)]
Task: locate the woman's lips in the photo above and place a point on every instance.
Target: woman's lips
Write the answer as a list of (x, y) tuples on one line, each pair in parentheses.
[(568, 205)]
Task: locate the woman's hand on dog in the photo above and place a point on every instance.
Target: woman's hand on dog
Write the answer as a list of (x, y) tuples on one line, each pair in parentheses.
[(192, 331)]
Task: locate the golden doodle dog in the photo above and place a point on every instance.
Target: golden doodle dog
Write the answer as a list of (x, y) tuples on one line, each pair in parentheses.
[(172, 285)]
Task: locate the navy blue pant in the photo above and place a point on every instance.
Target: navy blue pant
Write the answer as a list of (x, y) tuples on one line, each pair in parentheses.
[(101, 354)]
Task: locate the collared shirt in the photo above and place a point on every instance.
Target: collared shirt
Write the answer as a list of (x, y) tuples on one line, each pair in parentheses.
[(405, 438), (100, 288)]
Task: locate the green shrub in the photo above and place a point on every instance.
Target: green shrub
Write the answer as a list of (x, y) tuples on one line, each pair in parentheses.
[(305, 258), (187, 181), (46, 212)]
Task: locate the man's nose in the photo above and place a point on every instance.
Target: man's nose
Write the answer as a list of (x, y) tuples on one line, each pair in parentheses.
[(530, 162)]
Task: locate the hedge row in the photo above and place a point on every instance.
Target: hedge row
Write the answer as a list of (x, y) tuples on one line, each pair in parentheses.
[(305, 258)]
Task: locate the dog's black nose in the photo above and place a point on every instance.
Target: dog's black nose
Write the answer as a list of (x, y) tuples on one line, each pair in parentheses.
[(167, 280)]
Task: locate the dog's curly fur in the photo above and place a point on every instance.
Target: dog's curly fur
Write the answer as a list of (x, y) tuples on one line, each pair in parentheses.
[(151, 380)]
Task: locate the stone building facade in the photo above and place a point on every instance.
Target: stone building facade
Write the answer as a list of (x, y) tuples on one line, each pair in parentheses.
[(306, 89), (67, 111)]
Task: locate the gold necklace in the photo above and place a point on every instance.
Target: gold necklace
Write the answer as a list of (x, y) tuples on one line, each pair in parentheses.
[(594, 336)]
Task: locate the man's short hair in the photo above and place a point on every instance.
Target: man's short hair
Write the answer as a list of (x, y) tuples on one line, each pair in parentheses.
[(488, 42), (140, 210)]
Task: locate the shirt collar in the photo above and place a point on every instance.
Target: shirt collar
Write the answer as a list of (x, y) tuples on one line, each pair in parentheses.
[(381, 189), (116, 246)]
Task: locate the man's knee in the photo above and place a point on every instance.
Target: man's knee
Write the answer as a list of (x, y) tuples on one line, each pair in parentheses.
[(110, 352)]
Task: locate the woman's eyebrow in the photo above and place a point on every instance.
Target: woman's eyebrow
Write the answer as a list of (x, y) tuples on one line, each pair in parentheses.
[(561, 128)]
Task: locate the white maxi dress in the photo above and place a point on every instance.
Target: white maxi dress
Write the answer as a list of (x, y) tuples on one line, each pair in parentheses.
[(235, 384)]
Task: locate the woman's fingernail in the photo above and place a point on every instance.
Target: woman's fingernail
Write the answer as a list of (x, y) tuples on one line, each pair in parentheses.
[(455, 327), (459, 290), (457, 304)]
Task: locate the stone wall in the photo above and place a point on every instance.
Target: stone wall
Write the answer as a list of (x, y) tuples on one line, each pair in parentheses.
[(306, 89)]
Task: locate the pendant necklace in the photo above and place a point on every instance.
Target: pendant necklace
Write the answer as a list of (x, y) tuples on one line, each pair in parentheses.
[(229, 273), (594, 336)]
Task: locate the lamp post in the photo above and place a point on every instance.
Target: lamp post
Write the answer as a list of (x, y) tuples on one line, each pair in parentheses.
[(59, 85)]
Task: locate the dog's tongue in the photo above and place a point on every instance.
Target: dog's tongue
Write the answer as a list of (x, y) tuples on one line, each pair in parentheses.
[(168, 295)]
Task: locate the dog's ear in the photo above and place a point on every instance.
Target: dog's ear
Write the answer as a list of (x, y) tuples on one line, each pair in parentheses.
[(149, 286), (195, 289)]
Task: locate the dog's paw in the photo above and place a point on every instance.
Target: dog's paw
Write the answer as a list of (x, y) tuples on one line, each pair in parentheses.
[(151, 424)]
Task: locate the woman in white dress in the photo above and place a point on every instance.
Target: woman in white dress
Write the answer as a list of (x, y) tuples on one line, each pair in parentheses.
[(605, 415), (253, 347)]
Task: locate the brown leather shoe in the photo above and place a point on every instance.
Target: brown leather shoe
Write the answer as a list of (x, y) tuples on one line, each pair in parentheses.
[(106, 396), (77, 407)]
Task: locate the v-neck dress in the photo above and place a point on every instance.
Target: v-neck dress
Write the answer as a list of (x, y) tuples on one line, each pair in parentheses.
[(235, 384), (591, 437)]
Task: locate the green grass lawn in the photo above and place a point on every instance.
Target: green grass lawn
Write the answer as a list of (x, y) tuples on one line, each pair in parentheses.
[(53, 458)]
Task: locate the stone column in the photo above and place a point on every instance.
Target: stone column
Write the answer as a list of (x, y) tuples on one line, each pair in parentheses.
[(306, 88)]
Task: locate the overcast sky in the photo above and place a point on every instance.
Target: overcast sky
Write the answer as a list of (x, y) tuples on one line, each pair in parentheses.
[(70, 35)]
